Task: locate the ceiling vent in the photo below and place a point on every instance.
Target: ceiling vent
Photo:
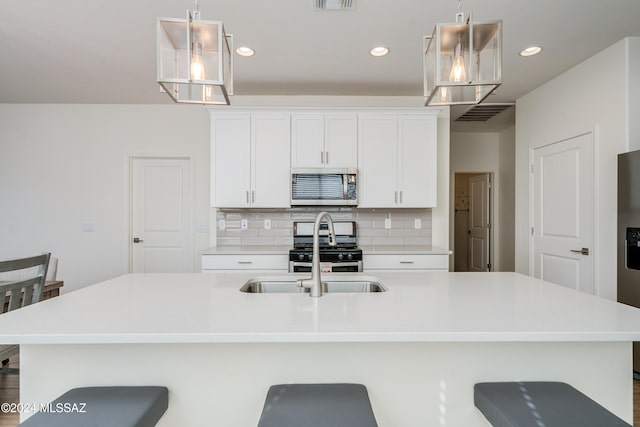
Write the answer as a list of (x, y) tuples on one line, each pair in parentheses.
[(483, 112), (334, 4)]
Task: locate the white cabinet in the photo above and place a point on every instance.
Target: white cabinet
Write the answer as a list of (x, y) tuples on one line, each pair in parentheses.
[(250, 160), (324, 140), (233, 262), (428, 262), (397, 160)]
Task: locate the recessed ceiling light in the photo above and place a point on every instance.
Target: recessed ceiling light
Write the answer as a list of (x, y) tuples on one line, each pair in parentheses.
[(530, 51), (244, 51), (379, 51)]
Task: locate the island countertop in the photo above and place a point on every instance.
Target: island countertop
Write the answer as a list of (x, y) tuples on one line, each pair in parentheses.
[(418, 307)]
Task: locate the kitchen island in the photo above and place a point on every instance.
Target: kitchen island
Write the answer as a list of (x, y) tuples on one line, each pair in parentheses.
[(419, 347)]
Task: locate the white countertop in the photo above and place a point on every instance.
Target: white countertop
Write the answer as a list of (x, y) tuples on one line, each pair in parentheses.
[(403, 250), (247, 250), (367, 250), (418, 307)]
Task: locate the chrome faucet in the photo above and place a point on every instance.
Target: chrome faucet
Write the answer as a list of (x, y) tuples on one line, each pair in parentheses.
[(314, 283)]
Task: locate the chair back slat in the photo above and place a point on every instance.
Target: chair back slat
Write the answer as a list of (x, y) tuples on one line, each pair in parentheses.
[(22, 263)]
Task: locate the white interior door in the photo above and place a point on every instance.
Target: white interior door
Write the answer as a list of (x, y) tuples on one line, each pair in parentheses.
[(563, 210), (479, 222), (161, 215)]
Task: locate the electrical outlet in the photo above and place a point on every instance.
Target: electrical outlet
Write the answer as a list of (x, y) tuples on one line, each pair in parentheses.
[(221, 224), (244, 224), (267, 224), (387, 223), (417, 223)]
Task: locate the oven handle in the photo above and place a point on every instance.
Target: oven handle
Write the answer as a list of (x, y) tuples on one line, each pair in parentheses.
[(341, 264)]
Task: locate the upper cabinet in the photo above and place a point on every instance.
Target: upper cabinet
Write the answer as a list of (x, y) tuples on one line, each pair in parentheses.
[(324, 140), (397, 160), (394, 150), (250, 160)]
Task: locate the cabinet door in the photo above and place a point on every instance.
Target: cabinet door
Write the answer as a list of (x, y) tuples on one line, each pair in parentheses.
[(231, 152), (270, 153), (307, 141), (418, 161), (341, 140), (377, 161)]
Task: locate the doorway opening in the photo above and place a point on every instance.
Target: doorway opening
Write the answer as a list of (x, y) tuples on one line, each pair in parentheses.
[(473, 221)]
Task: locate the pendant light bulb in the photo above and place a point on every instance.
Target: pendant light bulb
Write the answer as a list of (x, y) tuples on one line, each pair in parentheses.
[(458, 72), (197, 64)]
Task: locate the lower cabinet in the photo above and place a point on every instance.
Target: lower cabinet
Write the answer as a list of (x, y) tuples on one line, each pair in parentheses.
[(373, 262), (272, 263)]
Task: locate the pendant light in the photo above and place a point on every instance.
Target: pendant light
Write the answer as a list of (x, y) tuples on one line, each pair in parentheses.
[(462, 61), (195, 61)]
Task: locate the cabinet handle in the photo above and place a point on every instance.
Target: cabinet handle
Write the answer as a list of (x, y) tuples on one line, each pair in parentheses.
[(322, 157), (247, 196), (400, 196), (406, 262), (253, 196), (326, 157), (245, 262), (395, 197)]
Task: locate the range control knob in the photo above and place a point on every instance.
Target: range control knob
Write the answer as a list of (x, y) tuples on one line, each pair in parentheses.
[(340, 256), (301, 257), (349, 256)]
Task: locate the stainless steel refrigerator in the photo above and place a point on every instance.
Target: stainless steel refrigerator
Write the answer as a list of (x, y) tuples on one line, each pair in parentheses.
[(629, 236)]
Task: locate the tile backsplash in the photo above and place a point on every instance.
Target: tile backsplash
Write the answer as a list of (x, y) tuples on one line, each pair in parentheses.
[(370, 223)]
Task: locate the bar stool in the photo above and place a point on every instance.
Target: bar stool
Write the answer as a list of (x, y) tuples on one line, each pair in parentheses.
[(317, 405)]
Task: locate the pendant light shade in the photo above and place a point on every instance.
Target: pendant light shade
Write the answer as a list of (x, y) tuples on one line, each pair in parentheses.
[(195, 64), (462, 62)]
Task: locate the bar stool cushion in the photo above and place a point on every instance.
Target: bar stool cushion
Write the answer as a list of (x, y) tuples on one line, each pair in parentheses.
[(535, 404), (104, 407), (317, 405)]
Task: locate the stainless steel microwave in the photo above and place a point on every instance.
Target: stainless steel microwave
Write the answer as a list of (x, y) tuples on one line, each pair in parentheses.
[(324, 187)]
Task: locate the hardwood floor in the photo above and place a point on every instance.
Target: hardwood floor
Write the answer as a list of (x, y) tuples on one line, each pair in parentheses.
[(10, 392)]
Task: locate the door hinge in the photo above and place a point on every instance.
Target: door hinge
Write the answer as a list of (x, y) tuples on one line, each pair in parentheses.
[(532, 230), (489, 225), (532, 168), (489, 267)]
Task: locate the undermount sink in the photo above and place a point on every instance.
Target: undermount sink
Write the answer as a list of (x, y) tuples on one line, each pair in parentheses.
[(353, 284)]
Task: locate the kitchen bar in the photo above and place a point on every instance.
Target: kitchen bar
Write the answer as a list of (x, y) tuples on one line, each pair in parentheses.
[(419, 347)]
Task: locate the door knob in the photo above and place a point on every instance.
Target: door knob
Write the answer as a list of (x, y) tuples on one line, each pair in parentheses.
[(583, 251), (137, 240)]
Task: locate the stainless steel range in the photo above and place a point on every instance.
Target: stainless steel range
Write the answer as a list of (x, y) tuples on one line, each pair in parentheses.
[(344, 257)]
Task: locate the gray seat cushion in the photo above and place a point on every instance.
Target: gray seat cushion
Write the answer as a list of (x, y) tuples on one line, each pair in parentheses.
[(317, 405), (104, 407), (535, 404)]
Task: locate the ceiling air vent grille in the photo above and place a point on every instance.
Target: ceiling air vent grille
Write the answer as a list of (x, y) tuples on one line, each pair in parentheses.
[(334, 4), (483, 112)]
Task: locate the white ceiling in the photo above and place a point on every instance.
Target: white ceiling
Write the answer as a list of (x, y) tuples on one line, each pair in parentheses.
[(103, 51)]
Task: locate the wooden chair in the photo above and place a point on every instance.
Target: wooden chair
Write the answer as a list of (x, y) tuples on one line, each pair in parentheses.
[(20, 293)]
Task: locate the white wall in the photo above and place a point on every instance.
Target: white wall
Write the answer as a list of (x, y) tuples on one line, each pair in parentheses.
[(490, 152), (633, 94), (589, 97), (62, 166), (506, 196)]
